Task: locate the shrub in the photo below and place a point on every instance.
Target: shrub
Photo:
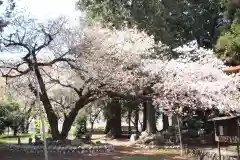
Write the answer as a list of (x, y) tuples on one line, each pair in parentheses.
[(37, 126), (227, 47), (81, 126)]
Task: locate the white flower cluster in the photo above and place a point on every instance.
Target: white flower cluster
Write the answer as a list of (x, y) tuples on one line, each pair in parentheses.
[(113, 57), (195, 79)]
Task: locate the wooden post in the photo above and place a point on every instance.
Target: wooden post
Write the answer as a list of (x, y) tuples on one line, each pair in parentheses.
[(219, 148), (180, 135), (238, 123), (219, 151), (19, 140), (238, 151)]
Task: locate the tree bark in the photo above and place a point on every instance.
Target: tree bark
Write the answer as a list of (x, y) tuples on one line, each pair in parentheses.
[(136, 119), (129, 119), (26, 127), (67, 124), (108, 126), (69, 119), (174, 120), (15, 131), (144, 116), (115, 120), (151, 119), (51, 116), (165, 122), (92, 124)]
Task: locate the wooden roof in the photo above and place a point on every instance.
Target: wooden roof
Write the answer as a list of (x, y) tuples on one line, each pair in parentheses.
[(231, 69), (223, 118)]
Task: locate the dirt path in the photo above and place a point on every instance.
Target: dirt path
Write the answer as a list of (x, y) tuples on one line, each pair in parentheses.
[(122, 149)]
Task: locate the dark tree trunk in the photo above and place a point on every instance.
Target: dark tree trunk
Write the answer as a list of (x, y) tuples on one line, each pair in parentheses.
[(67, 124), (92, 124), (53, 122), (129, 119), (22, 126), (69, 119), (26, 127), (15, 131), (144, 116), (51, 116), (108, 126), (165, 122), (115, 121), (136, 119), (151, 119), (174, 120)]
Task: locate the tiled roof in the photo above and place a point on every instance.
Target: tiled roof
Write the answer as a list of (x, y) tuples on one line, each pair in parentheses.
[(231, 69)]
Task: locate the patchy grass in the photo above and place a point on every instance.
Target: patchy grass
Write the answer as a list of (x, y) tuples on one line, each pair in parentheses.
[(4, 136), (166, 152), (2, 142), (14, 139)]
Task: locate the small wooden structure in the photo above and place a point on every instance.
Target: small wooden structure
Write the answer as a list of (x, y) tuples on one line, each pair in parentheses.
[(227, 131)]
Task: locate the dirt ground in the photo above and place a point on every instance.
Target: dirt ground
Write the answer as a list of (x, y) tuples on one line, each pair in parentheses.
[(123, 151)]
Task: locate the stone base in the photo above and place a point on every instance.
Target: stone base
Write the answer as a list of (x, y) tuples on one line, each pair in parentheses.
[(61, 149)]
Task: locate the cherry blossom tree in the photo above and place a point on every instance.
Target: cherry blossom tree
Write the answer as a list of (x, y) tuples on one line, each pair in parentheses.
[(44, 48), (115, 60), (194, 80)]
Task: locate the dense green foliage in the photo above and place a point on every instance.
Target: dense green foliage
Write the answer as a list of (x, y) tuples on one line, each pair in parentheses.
[(10, 115), (214, 24), (37, 125), (81, 126), (228, 44), (173, 22)]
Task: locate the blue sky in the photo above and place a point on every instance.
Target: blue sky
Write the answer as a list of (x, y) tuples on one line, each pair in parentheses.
[(44, 10)]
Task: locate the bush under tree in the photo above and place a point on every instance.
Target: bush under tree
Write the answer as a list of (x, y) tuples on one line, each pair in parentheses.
[(10, 116), (81, 126)]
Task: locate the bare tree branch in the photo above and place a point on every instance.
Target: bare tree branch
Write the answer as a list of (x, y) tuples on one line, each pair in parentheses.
[(47, 40), (60, 59), (78, 91), (13, 68), (8, 42)]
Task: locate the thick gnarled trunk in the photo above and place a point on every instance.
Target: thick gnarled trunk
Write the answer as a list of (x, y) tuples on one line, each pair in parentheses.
[(144, 116), (67, 124), (114, 127), (69, 119), (151, 119), (136, 119), (51, 115), (165, 122), (129, 119)]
